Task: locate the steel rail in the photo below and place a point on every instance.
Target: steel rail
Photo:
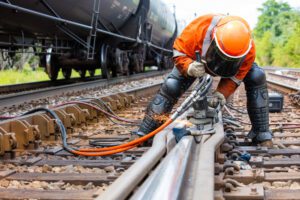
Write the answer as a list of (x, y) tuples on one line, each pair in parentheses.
[(187, 172), (20, 98), (273, 68), (204, 177), (283, 76), (167, 179), (122, 187), (126, 183), (282, 87)]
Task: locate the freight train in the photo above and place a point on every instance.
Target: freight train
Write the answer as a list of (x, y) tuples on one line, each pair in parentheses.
[(120, 37)]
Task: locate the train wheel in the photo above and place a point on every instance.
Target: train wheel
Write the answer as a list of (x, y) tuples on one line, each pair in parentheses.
[(43, 61), (142, 68), (159, 63), (114, 72), (52, 65), (137, 64), (104, 61), (125, 65), (167, 63), (67, 72), (92, 72), (82, 73)]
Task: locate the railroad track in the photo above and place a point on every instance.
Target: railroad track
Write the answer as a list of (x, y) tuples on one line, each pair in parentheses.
[(34, 96), (286, 84), (216, 164), (222, 166), (270, 173), (35, 166), (283, 83)]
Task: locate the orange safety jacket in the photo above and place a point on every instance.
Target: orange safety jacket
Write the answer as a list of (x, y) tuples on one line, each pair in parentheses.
[(191, 40)]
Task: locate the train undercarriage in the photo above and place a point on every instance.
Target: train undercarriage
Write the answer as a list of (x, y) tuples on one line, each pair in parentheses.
[(119, 37), (113, 62)]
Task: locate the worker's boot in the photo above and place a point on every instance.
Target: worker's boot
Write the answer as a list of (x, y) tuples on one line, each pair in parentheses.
[(161, 105), (258, 106)]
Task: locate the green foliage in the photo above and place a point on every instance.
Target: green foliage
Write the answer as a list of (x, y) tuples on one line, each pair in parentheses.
[(263, 46), (288, 53), (270, 10), (13, 76), (277, 35)]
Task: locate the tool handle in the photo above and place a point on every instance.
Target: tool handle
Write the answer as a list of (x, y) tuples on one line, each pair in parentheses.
[(198, 57)]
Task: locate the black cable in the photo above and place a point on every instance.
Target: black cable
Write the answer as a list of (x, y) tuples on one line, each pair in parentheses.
[(59, 124), (235, 109), (103, 142), (101, 102), (108, 110), (62, 128)]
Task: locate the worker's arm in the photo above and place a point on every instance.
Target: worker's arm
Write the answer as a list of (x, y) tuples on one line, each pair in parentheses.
[(227, 86), (189, 41), (183, 46), (182, 63)]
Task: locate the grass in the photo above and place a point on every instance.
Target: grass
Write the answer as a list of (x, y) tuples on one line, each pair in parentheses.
[(12, 76)]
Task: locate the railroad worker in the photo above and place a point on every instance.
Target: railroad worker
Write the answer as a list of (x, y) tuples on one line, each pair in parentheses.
[(228, 51)]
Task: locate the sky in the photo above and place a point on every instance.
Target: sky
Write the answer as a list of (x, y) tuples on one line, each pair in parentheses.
[(186, 9)]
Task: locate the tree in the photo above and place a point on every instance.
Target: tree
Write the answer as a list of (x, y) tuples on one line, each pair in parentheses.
[(286, 39), (270, 10), (263, 46), (277, 35)]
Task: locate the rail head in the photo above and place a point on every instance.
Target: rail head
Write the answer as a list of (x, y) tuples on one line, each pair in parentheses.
[(167, 179), (189, 162), (204, 181), (282, 86), (131, 178)]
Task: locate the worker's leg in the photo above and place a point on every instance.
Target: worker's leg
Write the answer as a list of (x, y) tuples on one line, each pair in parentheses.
[(258, 106), (173, 87)]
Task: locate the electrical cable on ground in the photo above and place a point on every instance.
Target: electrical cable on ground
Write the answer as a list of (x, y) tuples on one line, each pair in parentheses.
[(96, 108), (235, 109), (108, 109), (200, 90)]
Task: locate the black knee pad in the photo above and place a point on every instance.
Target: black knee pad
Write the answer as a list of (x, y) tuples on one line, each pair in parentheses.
[(171, 88), (160, 105), (163, 102), (175, 85), (256, 77)]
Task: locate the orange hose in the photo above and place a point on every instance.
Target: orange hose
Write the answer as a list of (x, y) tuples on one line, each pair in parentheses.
[(125, 146), (105, 153)]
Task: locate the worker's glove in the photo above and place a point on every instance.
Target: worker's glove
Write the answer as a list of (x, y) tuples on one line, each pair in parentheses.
[(196, 69), (217, 98)]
